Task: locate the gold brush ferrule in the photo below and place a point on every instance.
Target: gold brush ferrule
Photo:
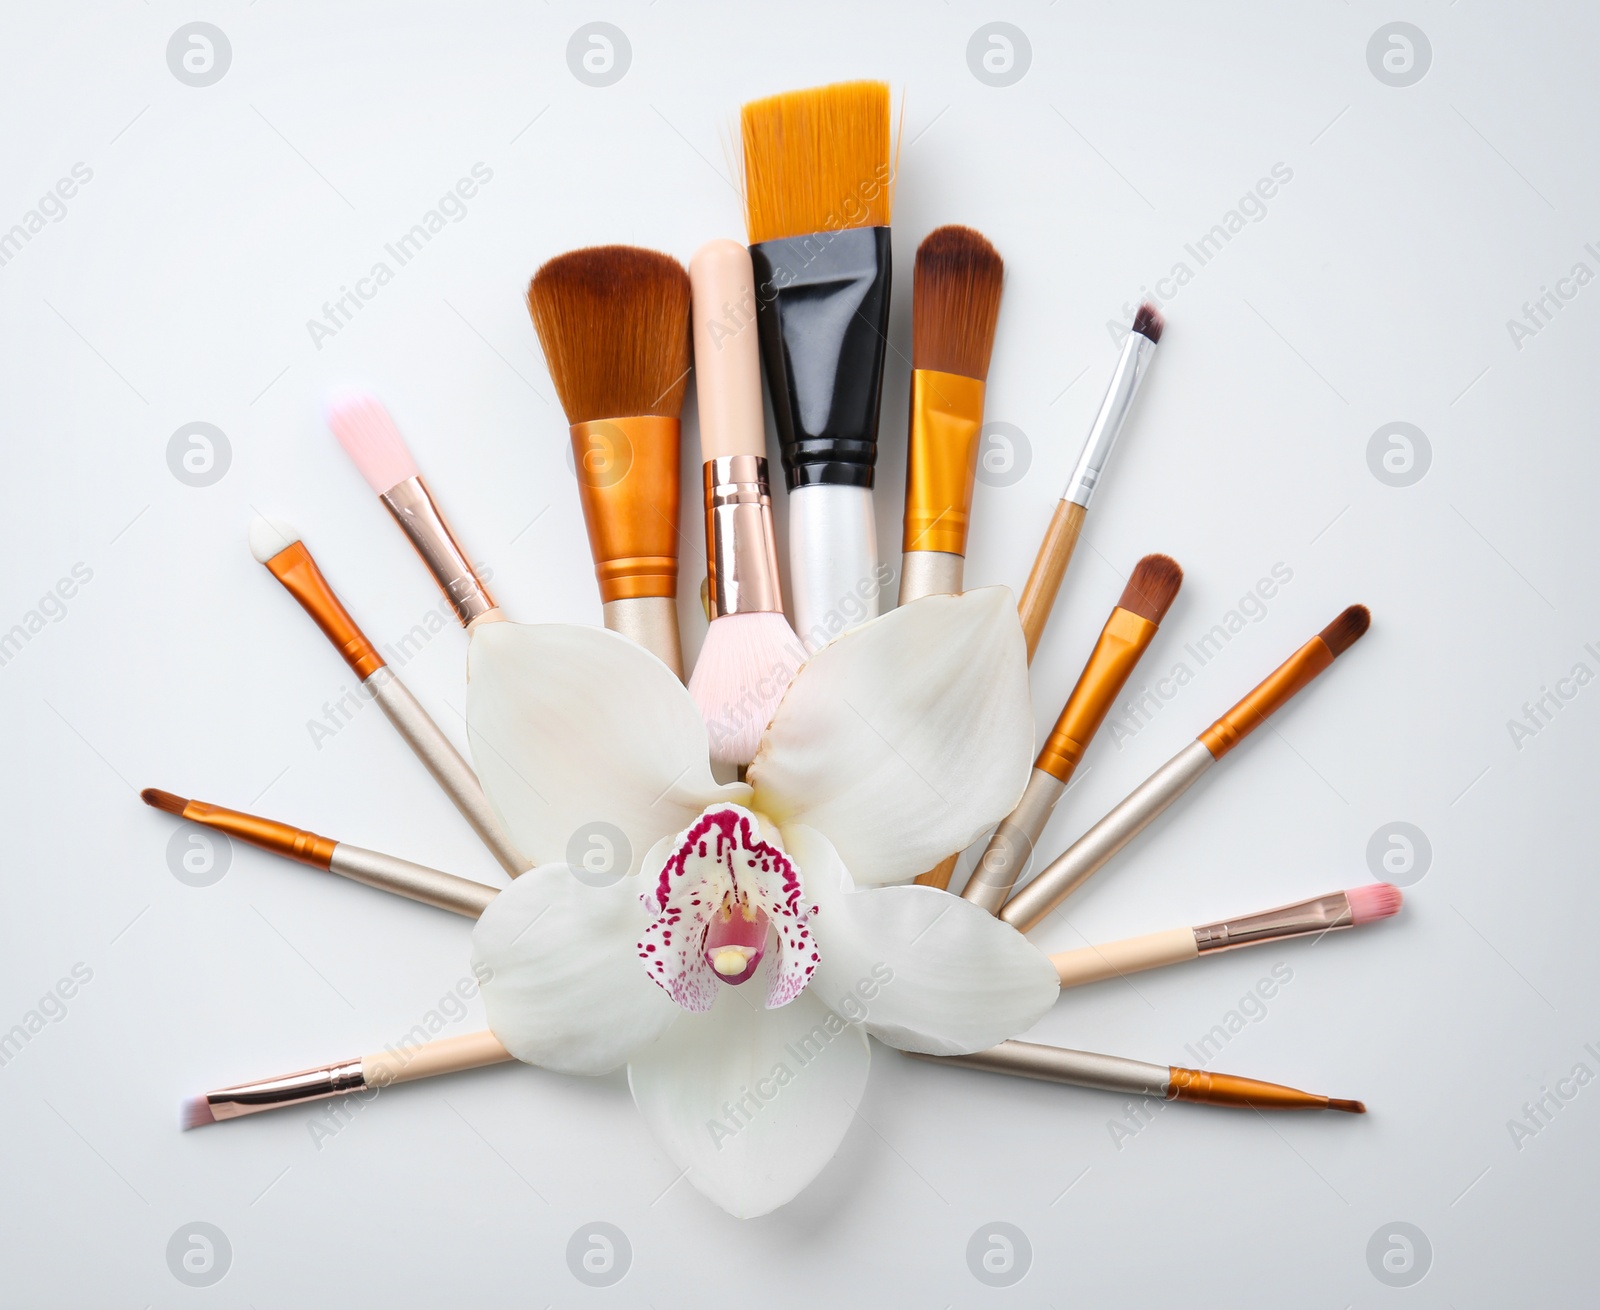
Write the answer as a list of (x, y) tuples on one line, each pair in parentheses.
[(414, 509), (279, 838), (1270, 696), (294, 567), (1123, 640), (1301, 919), (741, 546), (628, 484), (1229, 1089), (292, 1089), (942, 457)]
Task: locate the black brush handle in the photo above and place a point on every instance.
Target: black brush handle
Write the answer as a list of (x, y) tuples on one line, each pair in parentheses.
[(822, 306)]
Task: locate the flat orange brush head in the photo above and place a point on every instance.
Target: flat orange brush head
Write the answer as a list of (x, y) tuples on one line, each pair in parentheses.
[(817, 161), (955, 302), (1152, 587), (614, 324)]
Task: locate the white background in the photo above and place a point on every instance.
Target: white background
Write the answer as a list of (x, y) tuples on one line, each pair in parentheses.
[(1377, 288)]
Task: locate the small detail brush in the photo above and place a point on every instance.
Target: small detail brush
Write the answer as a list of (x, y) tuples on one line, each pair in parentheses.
[(955, 303), (818, 191), (1346, 909), (750, 653), (416, 882), (279, 547), (614, 324), (393, 1064), (1151, 589), (1061, 537), (1113, 1073), (1140, 807)]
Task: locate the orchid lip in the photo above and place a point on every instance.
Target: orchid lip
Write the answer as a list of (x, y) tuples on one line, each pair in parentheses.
[(736, 940)]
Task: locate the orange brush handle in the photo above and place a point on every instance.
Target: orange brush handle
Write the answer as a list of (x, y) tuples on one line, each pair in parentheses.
[(294, 567), (1278, 686), (946, 422), (1124, 639), (269, 834), (628, 483)]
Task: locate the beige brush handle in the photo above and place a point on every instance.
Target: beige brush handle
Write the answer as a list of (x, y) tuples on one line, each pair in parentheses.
[(447, 1055), (1131, 955), (727, 361), (1049, 567)]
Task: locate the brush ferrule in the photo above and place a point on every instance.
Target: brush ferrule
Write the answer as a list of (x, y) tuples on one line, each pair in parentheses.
[(822, 314), (628, 484), (291, 1089), (280, 838), (1301, 919), (418, 515), (741, 546), (1267, 697), (303, 580), (946, 423), (1123, 640), (1131, 366)]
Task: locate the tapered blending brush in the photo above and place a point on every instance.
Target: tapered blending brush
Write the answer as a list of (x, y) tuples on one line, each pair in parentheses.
[(416, 882), (1113, 1073), (1061, 537), (393, 1064), (1140, 807), (279, 547), (1151, 589), (1346, 909), (614, 324), (818, 188), (955, 303), (750, 653)]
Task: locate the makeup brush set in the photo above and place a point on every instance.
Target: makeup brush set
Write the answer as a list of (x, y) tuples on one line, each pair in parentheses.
[(806, 304)]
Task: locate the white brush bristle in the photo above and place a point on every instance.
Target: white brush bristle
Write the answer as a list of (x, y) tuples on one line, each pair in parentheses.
[(744, 668), (196, 1113), (371, 439), (269, 537)]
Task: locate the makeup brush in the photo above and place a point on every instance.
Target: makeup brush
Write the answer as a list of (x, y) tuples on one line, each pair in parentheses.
[(1113, 1073), (1061, 537), (1138, 809), (818, 189), (1346, 909), (614, 324), (750, 653), (416, 882), (955, 302), (393, 1064), (1151, 589), (279, 547)]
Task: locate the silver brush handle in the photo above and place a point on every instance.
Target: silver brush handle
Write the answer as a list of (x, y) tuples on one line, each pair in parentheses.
[(416, 882), (1068, 871), (930, 573), (648, 621), (1130, 371), (1056, 1064), (444, 762), (1013, 843)]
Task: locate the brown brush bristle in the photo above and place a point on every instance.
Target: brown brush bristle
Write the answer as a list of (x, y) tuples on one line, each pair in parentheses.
[(1148, 322), (614, 324), (1153, 587), (817, 161), (1347, 629), (163, 800), (955, 300), (1349, 1107)]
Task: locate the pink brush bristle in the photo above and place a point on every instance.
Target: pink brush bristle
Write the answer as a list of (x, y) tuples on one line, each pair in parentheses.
[(197, 1113), (371, 439), (744, 668), (1377, 900)]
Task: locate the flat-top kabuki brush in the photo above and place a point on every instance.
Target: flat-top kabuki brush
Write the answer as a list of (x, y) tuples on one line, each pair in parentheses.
[(1061, 537), (955, 304), (818, 185), (278, 546), (750, 652), (1136, 811), (1151, 589), (614, 324)]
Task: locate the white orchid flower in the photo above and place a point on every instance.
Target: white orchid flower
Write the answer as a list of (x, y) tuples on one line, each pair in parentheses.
[(737, 969)]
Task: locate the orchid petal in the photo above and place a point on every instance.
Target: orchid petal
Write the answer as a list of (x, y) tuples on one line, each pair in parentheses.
[(585, 741), (904, 739), (752, 1103), (919, 968), (558, 964)]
